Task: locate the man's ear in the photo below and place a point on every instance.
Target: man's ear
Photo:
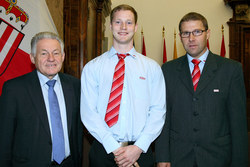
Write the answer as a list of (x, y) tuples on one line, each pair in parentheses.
[(136, 27), (32, 58), (208, 33)]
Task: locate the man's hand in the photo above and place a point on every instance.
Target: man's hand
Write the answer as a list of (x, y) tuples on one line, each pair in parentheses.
[(163, 164), (127, 156)]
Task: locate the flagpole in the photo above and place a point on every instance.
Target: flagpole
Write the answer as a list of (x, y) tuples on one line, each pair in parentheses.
[(142, 36), (222, 29), (163, 31), (223, 49), (142, 31)]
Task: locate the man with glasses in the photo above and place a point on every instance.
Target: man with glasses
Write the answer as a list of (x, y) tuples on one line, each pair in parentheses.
[(206, 105)]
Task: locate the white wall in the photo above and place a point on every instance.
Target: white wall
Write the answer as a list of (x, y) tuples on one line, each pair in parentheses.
[(154, 14)]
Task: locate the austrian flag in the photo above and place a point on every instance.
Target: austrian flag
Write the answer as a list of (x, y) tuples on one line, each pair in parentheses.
[(20, 20), (10, 39)]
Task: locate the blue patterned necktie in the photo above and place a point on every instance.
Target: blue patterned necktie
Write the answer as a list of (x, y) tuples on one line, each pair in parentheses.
[(58, 147)]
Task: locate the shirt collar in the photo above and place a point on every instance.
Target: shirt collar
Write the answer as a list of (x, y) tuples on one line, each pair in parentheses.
[(113, 52), (202, 58), (43, 79)]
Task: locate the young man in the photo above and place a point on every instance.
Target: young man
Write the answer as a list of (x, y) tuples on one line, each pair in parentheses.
[(206, 105), (134, 112), (28, 135)]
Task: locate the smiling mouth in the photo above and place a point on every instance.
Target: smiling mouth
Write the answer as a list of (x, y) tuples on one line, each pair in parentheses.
[(192, 46), (51, 65), (122, 33)]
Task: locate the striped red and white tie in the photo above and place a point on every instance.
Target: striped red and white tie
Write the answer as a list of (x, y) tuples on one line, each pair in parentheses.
[(112, 112), (196, 73)]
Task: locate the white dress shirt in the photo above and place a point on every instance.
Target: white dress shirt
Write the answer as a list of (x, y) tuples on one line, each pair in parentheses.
[(143, 103)]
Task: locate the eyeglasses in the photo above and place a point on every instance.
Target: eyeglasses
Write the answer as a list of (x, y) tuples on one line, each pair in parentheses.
[(195, 33)]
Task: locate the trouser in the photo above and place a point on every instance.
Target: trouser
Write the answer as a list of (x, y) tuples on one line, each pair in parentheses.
[(98, 157), (68, 162)]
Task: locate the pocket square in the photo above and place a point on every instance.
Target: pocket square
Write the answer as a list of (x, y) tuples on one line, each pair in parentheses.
[(216, 90)]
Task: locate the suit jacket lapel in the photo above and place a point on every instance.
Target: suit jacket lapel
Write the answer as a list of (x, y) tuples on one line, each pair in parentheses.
[(184, 74), (68, 97), (35, 91), (208, 72)]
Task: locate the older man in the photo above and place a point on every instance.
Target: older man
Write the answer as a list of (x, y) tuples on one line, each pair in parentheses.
[(40, 112)]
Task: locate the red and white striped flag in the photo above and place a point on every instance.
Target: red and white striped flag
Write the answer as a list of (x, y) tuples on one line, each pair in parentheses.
[(19, 22)]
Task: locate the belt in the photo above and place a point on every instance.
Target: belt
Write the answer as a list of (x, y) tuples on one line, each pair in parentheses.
[(126, 143)]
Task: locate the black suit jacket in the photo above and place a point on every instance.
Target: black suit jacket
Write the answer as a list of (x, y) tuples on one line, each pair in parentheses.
[(208, 125), (25, 139)]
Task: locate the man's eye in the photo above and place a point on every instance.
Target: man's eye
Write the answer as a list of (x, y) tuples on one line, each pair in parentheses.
[(197, 31)]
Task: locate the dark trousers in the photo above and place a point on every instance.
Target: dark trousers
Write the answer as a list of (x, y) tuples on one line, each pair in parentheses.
[(68, 162), (98, 157)]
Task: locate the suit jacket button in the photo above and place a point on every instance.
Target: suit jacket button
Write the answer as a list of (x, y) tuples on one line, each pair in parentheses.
[(195, 130), (195, 113)]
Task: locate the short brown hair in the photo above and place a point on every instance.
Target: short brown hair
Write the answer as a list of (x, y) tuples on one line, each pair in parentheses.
[(194, 16), (123, 7)]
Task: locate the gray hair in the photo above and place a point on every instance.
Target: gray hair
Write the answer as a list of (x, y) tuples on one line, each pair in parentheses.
[(44, 35)]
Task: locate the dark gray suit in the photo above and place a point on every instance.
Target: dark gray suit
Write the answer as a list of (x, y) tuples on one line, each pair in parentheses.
[(207, 126), (25, 139)]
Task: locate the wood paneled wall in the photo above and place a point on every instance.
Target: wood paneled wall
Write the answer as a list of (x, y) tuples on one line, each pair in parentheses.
[(83, 35), (56, 11), (239, 45)]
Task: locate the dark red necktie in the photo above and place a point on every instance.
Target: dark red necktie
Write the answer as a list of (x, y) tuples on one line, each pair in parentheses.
[(196, 73), (112, 112)]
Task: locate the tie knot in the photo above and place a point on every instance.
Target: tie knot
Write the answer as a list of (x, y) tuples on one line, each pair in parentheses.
[(51, 83), (196, 61), (122, 56)]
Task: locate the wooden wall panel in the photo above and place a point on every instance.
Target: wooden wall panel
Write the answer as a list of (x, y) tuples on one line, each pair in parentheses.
[(83, 36), (239, 45), (77, 32)]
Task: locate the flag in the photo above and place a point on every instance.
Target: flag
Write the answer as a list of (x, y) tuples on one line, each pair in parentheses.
[(208, 44), (20, 20), (143, 47), (164, 51), (223, 49), (175, 49)]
